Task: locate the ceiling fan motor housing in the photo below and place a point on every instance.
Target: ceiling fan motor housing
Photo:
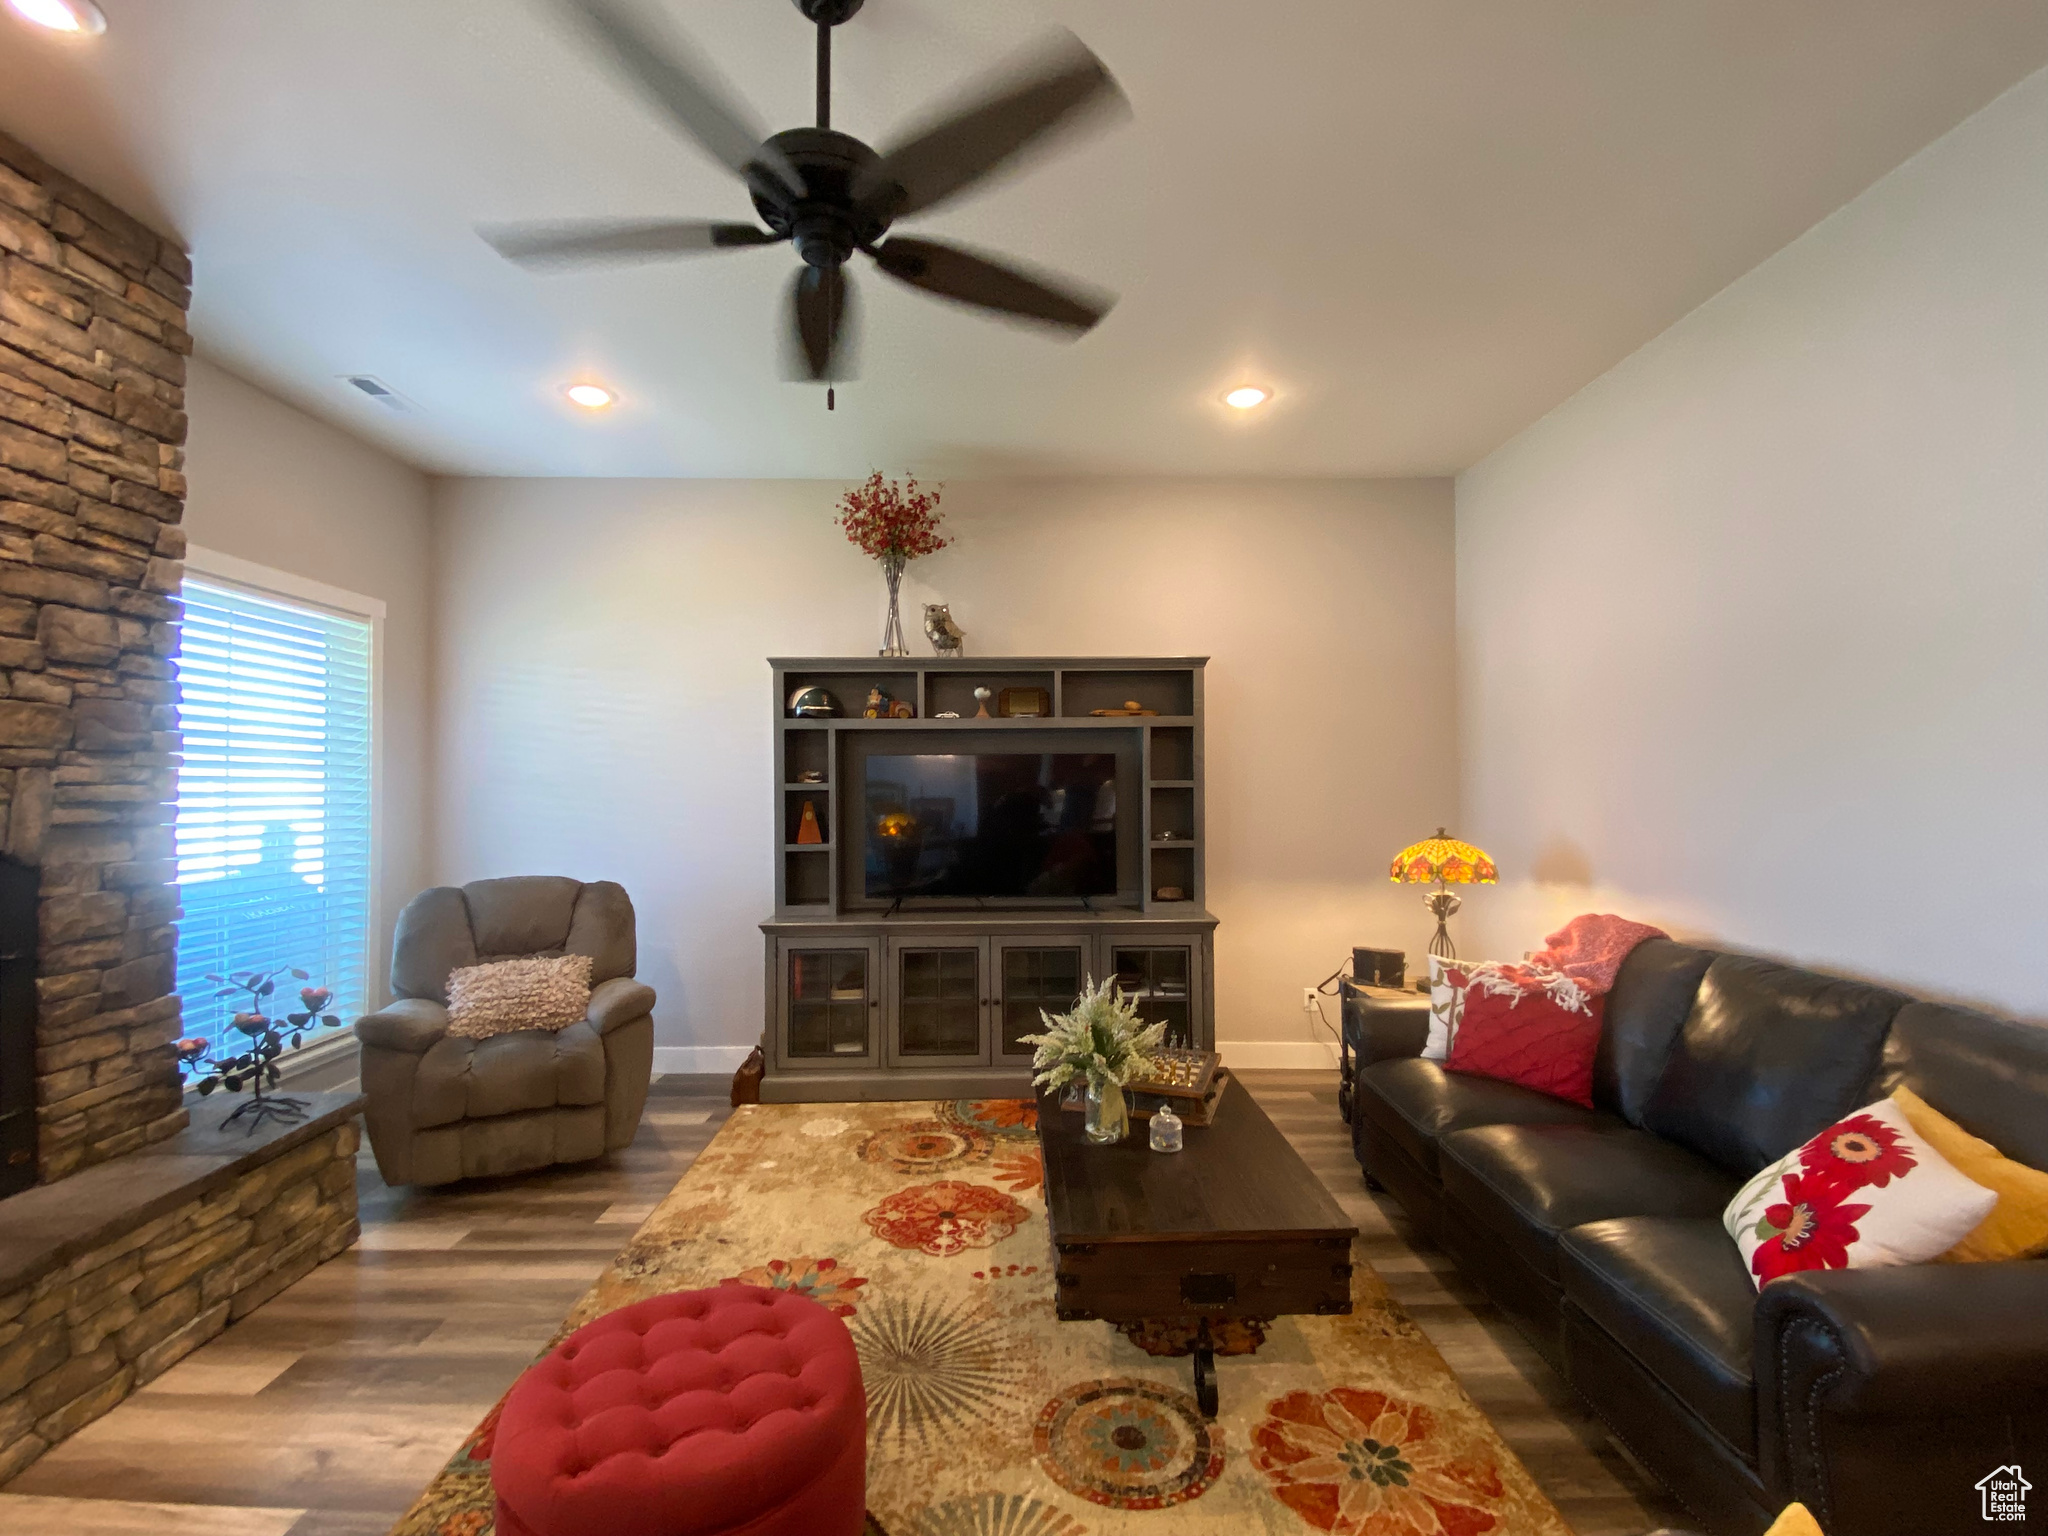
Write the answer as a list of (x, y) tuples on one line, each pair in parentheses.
[(825, 224)]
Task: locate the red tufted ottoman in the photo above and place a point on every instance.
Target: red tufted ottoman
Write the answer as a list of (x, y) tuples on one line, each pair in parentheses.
[(736, 1411)]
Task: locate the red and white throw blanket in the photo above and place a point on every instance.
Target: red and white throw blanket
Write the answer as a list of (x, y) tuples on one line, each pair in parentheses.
[(1577, 965), (1590, 948), (1501, 978)]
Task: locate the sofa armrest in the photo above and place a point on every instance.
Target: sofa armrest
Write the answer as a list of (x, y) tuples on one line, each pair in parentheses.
[(1912, 1341), (412, 1024), (619, 1001), (1380, 1025), (1863, 1372)]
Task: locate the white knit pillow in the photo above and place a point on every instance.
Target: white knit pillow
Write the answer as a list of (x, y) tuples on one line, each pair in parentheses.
[(543, 992)]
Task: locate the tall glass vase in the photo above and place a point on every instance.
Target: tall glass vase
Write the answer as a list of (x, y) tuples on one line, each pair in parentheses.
[(1107, 1117), (892, 631)]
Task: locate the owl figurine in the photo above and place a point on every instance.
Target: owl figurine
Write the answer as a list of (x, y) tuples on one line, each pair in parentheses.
[(946, 637)]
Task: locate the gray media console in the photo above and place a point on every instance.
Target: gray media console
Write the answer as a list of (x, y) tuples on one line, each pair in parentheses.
[(881, 986)]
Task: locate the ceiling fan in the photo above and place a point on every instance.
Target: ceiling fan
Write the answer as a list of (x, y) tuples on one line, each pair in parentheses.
[(828, 193)]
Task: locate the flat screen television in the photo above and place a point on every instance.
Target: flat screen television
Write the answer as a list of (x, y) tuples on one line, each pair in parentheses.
[(1036, 825)]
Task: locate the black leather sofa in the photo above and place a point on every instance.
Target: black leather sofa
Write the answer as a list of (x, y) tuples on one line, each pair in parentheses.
[(1877, 1397)]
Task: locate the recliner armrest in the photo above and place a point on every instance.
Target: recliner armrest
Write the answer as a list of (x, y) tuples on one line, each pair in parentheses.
[(619, 1001), (411, 1024), (1914, 1340)]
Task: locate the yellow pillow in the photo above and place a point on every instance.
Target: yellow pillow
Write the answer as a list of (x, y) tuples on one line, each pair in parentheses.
[(2017, 1227), (1795, 1522)]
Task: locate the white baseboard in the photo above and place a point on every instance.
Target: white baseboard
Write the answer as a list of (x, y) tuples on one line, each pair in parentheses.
[(1293, 1055), (699, 1058)]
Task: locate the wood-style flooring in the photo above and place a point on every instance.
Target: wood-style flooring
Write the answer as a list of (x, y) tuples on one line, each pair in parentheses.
[(326, 1411), (1595, 1487)]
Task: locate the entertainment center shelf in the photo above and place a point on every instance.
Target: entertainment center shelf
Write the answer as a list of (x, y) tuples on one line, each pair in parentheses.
[(925, 913)]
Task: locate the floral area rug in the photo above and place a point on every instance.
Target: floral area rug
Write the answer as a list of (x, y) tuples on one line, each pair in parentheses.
[(923, 1226)]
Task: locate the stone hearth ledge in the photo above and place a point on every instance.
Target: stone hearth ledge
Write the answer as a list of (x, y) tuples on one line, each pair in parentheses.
[(112, 1276)]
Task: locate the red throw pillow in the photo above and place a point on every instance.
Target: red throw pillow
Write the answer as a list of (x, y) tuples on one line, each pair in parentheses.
[(1531, 1035)]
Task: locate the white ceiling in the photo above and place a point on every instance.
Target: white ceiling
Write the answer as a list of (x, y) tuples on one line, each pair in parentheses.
[(1424, 223)]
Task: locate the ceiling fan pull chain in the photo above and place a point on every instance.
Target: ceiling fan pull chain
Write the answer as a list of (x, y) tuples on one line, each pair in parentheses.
[(830, 392)]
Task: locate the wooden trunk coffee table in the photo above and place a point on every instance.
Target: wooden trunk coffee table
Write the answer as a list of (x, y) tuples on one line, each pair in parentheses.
[(1233, 1227)]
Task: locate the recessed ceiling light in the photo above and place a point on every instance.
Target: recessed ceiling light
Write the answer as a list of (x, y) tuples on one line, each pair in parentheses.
[(1247, 397), (592, 397), (75, 16)]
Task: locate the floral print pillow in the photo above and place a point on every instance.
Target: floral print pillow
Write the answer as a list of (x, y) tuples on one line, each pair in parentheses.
[(1865, 1193), (1447, 981)]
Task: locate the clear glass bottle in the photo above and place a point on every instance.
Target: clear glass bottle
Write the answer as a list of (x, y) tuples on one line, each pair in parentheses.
[(1166, 1130), (1108, 1118)]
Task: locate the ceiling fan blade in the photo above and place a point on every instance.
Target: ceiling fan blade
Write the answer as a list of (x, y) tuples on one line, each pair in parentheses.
[(661, 66), (1020, 110), (954, 273), (819, 301), (546, 247)]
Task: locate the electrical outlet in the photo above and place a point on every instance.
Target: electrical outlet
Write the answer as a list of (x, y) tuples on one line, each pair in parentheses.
[(1308, 999)]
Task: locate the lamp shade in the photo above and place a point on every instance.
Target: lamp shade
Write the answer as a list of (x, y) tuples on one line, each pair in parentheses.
[(1443, 858)]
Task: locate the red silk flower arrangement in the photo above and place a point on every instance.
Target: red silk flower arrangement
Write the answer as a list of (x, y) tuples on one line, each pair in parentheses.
[(894, 523), (891, 521)]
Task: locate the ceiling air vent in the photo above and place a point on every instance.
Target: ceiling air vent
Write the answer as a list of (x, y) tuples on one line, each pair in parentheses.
[(377, 390)]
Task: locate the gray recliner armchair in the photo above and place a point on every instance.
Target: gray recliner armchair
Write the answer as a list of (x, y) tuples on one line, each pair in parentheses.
[(443, 1108)]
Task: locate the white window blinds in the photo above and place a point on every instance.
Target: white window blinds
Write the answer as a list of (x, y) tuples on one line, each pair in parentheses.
[(273, 797)]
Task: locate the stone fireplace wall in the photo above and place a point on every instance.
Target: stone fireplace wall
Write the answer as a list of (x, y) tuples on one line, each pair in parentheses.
[(92, 422)]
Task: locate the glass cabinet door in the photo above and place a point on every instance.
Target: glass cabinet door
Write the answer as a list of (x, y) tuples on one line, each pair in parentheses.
[(1034, 975), (1161, 979), (939, 1001), (828, 1003)]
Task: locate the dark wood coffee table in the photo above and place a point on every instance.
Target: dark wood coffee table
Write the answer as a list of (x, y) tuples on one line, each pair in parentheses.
[(1234, 1226)]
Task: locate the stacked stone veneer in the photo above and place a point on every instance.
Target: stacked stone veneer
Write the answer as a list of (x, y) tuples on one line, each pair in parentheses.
[(92, 423), (80, 1338)]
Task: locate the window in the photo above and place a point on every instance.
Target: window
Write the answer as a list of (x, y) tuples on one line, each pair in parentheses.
[(273, 831)]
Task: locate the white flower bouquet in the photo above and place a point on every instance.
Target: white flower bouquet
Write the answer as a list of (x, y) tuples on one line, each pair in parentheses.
[(1101, 1038)]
